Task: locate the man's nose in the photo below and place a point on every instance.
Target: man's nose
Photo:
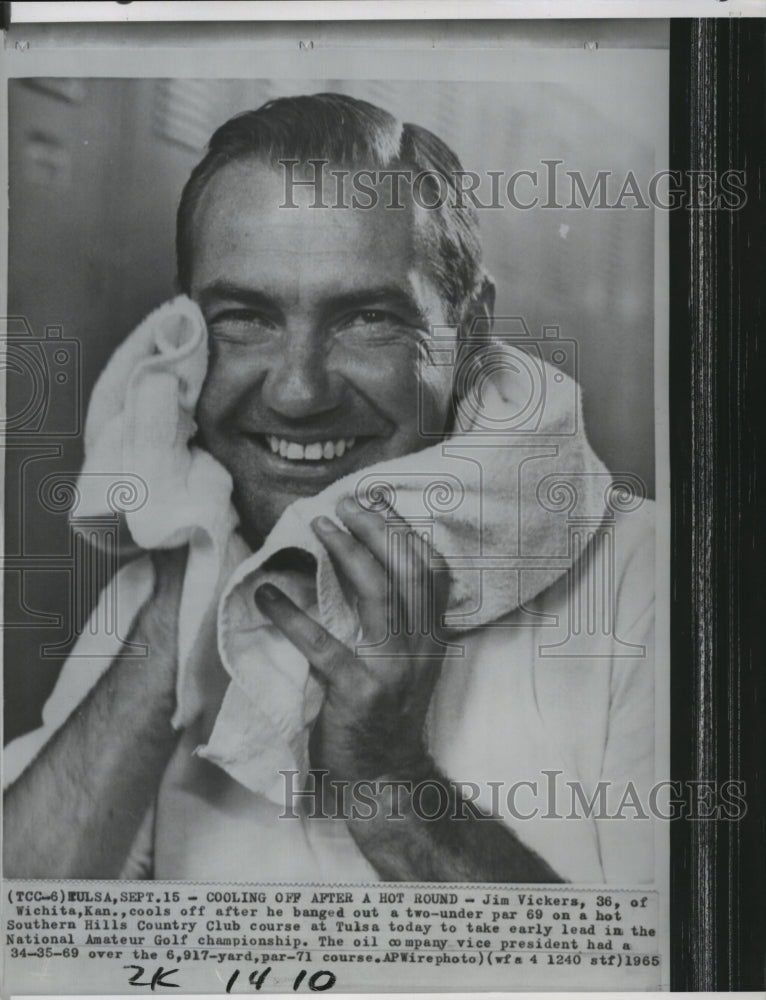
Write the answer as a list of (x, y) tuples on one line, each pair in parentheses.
[(299, 383)]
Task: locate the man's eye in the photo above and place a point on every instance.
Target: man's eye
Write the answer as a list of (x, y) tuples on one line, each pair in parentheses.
[(370, 318), (376, 316)]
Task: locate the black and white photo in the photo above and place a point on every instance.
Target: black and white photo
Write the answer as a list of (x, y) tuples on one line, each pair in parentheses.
[(337, 520)]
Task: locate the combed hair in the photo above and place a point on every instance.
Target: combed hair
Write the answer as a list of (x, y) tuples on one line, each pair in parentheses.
[(352, 133)]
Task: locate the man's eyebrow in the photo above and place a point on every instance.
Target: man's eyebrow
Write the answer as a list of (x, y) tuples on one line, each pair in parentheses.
[(218, 290)]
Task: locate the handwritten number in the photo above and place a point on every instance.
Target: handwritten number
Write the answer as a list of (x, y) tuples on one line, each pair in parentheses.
[(315, 985), (299, 979), (158, 979), (133, 981), (257, 980)]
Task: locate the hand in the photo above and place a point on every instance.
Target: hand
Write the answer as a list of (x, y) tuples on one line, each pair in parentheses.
[(373, 716)]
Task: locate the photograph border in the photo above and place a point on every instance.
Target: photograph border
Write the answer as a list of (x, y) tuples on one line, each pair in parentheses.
[(717, 374), (717, 379)]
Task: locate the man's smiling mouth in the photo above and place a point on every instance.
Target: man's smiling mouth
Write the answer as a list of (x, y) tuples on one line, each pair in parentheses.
[(312, 451), (312, 456)]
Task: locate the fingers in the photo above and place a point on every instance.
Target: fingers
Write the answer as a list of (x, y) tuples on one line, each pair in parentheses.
[(401, 551), (355, 561), (388, 538), (361, 571), (323, 651), (369, 528), (390, 566)]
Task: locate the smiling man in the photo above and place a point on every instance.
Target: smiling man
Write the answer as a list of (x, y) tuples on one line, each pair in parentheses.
[(317, 318), (319, 315)]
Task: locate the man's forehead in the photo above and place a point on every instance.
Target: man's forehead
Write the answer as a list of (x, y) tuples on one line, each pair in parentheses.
[(243, 214), (300, 197)]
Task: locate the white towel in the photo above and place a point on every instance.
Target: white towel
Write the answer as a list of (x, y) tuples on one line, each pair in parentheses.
[(493, 503), (137, 446)]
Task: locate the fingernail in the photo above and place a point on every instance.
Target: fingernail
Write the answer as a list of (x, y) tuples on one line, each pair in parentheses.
[(325, 524), (348, 506), (267, 592)]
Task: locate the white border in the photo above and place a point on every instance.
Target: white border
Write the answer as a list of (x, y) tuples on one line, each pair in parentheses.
[(375, 10)]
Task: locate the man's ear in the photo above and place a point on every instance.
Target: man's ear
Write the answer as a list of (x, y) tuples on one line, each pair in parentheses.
[(480, 311)]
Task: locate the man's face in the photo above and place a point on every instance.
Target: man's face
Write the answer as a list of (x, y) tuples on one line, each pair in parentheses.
[(317, 321)]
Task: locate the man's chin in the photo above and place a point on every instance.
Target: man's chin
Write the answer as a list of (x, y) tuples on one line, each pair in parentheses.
[(259, 513)]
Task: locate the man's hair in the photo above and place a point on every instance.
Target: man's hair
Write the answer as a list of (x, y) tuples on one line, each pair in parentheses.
[(352, 133)]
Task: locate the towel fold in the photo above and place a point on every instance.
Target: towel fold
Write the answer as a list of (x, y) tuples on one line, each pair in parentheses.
[(488, 501)]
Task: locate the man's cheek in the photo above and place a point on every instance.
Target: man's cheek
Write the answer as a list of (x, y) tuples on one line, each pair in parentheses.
[(206, 423), (216, 400)]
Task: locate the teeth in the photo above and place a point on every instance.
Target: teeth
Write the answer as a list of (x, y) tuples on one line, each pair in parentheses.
[(313, 452)]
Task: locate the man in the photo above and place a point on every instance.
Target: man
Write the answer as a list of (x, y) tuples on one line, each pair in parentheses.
[(318, 317)]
